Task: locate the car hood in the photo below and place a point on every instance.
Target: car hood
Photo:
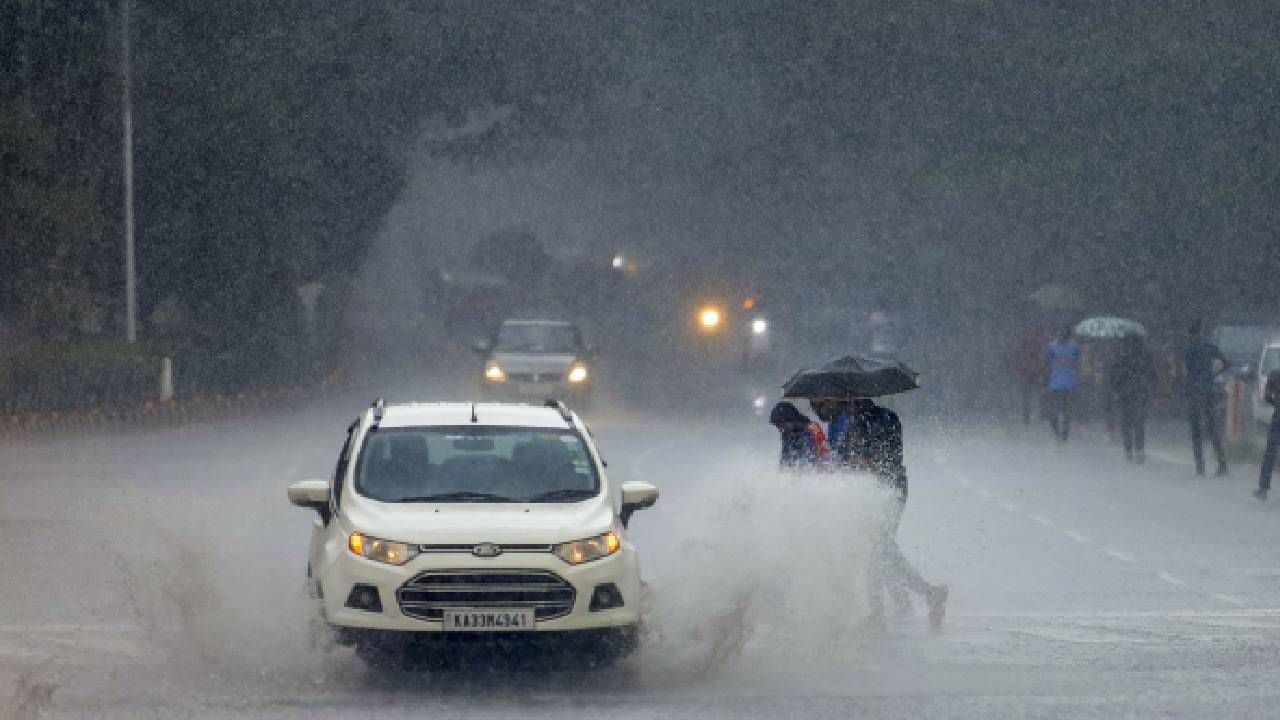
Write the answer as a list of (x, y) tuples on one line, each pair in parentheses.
[(535, 362), (471, 523)]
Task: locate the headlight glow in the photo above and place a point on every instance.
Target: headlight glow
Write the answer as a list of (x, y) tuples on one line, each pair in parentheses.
[(494, 373), (588, 549), (383, 551), (578, 374), (759, 326), (709, 318)]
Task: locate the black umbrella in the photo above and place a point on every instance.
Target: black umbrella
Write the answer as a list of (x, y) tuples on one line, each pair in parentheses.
[(852, 377)]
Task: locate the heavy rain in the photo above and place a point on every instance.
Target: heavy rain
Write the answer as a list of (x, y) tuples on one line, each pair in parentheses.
[(566, 359)]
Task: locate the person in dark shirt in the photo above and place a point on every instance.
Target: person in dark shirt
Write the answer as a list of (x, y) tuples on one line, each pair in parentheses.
[(873, 442), (1203, 362), (1271, 393), (803, 441), (1133, 378)]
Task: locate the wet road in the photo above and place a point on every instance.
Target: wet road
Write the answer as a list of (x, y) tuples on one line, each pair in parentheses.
[(159, 575)]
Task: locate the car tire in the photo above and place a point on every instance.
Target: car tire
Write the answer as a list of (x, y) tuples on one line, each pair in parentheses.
[(613, 647)]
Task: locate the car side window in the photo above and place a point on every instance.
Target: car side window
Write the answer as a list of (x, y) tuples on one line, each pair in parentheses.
[(340, 470)]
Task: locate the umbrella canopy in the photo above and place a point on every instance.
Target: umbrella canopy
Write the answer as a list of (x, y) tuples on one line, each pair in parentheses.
[(852, 377), (1108, 328)]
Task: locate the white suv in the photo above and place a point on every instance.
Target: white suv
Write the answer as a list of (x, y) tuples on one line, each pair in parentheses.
[(450, 521)]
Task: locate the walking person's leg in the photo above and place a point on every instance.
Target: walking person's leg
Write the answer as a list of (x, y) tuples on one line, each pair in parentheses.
[(1055, 422), (1213, 424), (1066, 414), (898, 572), (1194, 415), (1269, 457), (1140, 431), (1127, 426)]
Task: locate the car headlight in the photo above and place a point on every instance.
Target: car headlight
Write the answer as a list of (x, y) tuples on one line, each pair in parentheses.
[(588, 549), (578, 374), (494, 373), (759, 326), (383, 551)]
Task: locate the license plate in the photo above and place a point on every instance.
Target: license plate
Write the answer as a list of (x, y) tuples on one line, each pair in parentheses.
[(464, 620)]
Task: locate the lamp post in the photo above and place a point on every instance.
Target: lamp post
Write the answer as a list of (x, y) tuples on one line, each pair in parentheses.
[(130, 269)]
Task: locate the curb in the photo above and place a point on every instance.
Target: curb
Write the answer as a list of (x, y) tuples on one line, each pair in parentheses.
[(155, 413)]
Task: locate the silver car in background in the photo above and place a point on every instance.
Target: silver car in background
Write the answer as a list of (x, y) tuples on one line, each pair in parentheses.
[(533, 360)]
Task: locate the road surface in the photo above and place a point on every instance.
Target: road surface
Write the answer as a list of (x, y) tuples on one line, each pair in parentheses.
[(158, 574)]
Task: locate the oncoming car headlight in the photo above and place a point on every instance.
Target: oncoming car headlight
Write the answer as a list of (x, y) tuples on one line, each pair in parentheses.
[(383, 551), (578, 374), (494, 373), (588, 549)]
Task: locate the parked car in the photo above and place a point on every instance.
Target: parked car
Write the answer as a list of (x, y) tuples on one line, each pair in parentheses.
[(488, 522)]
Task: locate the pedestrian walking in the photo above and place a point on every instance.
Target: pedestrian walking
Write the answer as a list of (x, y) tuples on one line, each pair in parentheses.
[(1028, 371), (1271, 393), (804, 444), (1202, 363), (1062, 365), (870, 438), (1133, 380)]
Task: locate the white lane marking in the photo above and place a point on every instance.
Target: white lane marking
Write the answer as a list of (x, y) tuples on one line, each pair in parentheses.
[(1228, 599), (1170, 578), (1083, 539), (1042, 520), (1122, 557), (1009, 506), (1170, 458)]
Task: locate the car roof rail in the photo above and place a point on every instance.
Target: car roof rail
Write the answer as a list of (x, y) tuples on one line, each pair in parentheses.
[(559, 407), (379, 407)]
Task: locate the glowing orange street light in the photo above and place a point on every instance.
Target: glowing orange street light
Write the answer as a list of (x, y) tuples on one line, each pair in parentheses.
[(710, 318)]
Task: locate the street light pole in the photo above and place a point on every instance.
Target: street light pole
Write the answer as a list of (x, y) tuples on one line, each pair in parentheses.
[(130, 269)]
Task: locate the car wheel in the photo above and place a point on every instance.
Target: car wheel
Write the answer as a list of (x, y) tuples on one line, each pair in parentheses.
[(611, 648)]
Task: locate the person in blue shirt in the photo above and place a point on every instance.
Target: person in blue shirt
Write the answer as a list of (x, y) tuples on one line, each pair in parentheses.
[(803, 442), (1062, 364)]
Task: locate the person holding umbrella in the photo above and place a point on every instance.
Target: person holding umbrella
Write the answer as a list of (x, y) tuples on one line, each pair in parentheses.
[(1133, 379), (803, 441), (868, 436)]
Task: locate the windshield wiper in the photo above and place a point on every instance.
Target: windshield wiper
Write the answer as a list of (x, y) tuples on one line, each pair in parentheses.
[(460, 496), (563, 495)]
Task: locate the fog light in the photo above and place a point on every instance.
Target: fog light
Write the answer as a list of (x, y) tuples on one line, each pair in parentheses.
[(606, 597), (365, 597)]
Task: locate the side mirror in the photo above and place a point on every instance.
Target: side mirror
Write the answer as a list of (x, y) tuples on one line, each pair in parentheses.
[(481, 347), (312, 494), (636, 496)]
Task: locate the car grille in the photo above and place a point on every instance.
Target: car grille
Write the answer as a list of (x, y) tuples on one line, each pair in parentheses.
[(427, 595), (536, 377)]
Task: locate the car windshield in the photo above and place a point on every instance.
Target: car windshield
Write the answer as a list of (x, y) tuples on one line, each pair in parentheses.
[(475, 464), (538, 337)]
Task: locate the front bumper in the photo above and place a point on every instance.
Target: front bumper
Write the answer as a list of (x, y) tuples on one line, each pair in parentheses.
[(337, 581)]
